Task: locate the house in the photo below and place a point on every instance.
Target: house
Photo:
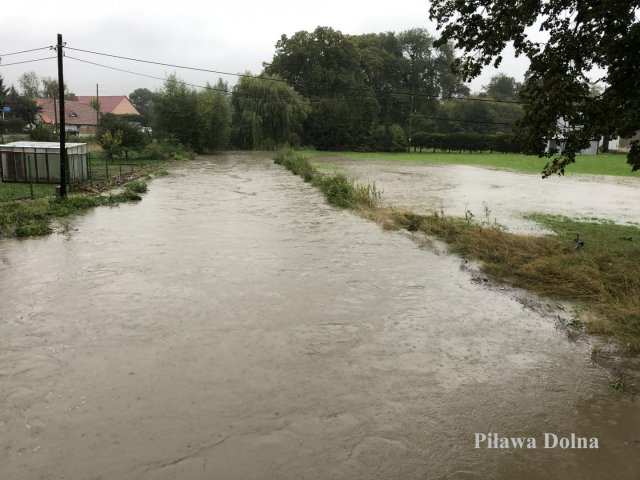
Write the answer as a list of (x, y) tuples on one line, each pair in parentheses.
[(116, 104), (624, 144), (80, 119), (556, 144), (39, 162)]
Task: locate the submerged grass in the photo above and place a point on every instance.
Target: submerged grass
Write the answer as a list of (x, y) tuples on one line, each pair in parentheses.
[(32, 217), (602, 276), (602, 164)]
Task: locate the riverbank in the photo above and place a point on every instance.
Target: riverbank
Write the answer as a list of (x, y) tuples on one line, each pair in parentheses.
[(31, 216), (601, 277)]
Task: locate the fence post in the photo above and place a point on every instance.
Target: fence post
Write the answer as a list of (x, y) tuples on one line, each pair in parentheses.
[(29, 173), (106, 167)]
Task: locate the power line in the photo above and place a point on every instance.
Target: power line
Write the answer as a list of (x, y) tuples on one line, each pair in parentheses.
[(24, 51), (169, 64), (26, 61), (313, 98), (205, 87), (241, 75)]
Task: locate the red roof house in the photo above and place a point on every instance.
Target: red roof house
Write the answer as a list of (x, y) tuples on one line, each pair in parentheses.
[(116, 104), (79, 118)]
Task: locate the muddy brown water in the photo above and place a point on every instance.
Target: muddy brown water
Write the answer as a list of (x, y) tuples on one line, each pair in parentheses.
[(508, 195), (232, 325)]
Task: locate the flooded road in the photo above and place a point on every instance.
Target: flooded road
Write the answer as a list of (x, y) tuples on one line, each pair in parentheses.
[(232, 325), (509, 195)]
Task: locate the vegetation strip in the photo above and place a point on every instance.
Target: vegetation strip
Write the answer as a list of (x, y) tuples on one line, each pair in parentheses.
[(600, 276), (31, 217)]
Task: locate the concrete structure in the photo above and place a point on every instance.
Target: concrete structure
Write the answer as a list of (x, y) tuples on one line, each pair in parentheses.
[(39, 162)]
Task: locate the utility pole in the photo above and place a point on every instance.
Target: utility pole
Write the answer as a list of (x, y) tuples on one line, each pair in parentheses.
[(63, 132), (97, 106), (410, 123)]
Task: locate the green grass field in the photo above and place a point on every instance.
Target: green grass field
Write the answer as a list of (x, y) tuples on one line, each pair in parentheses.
[(603, 164)]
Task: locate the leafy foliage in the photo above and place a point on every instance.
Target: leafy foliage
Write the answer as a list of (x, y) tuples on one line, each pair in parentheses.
[(267, 113), (199, 120), (582, 36), (142, 99)]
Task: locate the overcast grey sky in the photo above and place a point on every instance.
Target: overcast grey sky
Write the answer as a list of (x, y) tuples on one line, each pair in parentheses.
[(226, 36)]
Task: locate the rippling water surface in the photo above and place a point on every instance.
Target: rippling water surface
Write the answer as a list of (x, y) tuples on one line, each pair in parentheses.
[(232, 325), (507, 195)]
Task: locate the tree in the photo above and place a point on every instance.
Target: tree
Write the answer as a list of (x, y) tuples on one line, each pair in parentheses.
[(268, 113), (23, 110), (214, 115), (30, 84), (175, 115), (50, 89), (199, 120), (582, 36), (142, 99), (111, 142), (118, 127), (503, 87), (4, 90)]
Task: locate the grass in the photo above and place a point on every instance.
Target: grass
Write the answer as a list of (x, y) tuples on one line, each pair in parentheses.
[(12, 191), (338, 189), (603, 164), (25, 218), (602, 277)]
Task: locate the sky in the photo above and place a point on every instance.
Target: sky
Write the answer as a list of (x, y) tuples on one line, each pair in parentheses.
[(224, 36)]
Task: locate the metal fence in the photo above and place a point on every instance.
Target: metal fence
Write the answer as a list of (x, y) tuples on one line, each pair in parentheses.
[(100, 169)]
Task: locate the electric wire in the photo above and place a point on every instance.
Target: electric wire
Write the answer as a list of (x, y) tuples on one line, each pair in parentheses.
[(24, 51), (219, 72), (313, 98), (26, 61)]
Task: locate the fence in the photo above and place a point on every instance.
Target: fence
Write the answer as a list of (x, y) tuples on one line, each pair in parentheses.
[(99, 169), (102, 168)]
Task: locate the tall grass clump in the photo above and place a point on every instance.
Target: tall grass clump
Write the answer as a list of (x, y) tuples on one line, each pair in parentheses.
[(338, 189)]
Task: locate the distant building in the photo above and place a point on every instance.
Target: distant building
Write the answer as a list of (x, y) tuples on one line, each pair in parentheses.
[(624, 144), (80, 119), (557, 143), (116, 104)]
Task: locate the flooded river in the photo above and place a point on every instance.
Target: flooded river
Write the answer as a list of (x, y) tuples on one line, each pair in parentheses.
[(232, 325), (508, 195)]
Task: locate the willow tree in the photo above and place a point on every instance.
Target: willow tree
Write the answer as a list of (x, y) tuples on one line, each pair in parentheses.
[(267, 113)]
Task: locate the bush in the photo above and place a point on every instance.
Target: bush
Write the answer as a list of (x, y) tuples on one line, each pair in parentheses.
[(43, 133)]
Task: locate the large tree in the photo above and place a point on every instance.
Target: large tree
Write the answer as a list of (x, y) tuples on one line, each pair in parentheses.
[(197, 119), (357, 83), (582, 38), (268, 113), (142, 99)]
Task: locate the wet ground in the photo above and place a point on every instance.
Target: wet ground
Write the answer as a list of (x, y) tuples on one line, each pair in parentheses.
[(232, 325), (508, 195)]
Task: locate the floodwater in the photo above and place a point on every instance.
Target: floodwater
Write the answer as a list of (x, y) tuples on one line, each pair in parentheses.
[(232, 325), (508, 195)]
